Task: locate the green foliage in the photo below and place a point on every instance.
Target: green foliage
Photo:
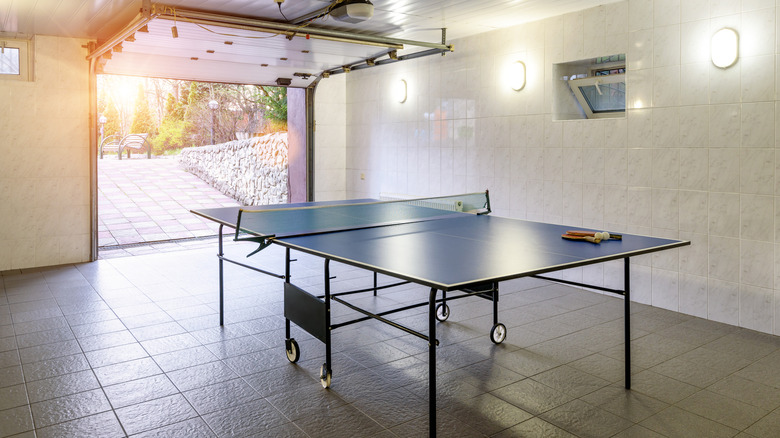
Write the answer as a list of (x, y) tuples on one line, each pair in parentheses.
[(195, 100), (112, 126), (173, 132), (176, 113), (174, 109), (274, 99), (273, 126), (172, 135), (143, 122)]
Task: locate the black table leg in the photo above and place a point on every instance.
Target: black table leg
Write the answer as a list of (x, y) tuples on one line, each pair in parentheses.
[(326, 370), (494, 294), (432, 363), (627, 311), (287, 280), (220, 254)]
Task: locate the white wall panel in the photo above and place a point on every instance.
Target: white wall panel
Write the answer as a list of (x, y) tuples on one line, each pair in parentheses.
[(694, 158), (44, 172)]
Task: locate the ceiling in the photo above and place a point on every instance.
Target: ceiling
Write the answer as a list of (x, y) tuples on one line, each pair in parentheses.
[(257, 54)]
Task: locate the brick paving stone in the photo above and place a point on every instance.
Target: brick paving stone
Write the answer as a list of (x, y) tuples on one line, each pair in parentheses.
[(142, 200)]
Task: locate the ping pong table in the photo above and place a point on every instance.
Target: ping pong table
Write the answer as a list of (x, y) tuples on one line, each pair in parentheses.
[(450, 245)]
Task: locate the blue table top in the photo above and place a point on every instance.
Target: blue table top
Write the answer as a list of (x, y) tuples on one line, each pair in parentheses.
[(435, 248), (458, 252)]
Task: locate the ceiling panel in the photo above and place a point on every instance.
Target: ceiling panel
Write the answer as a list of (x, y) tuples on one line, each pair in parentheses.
[(174, 55), (156, 53), (99, 19), (135, 64)]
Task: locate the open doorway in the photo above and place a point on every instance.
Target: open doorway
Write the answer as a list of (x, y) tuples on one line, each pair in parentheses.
[(166, 147)]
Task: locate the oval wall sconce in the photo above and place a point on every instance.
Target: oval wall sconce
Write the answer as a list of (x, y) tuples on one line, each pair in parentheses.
[(725, 47), (517, 75), (400, 91)]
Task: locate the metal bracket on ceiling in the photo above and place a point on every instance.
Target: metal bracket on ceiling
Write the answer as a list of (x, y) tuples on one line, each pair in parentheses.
[(392, 57), (139, 24), (146, 9), (150, 11), (260, 25)]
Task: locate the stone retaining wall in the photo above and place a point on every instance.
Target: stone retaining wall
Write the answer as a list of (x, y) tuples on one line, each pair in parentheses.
[(251, 171)]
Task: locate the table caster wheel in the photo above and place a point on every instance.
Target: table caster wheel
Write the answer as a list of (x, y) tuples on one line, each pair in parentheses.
[(292, 350), (442, 312), (325, 375), (498, 333)]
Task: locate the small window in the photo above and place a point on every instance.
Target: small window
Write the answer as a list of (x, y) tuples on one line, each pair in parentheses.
[(14, 60), (9, 61), (590, 88), (600, 96)]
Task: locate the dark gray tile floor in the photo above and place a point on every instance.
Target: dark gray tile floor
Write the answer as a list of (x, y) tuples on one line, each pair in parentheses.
[(132, 347)]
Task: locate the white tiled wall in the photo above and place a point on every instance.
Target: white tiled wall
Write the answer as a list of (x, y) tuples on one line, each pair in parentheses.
[(44, 159), (695, 158), (330, 139)]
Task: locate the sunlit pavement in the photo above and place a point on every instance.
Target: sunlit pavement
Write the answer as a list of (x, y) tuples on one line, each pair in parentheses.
[(144, 200)]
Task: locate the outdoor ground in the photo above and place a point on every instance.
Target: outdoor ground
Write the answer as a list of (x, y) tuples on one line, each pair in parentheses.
[(144, 200)]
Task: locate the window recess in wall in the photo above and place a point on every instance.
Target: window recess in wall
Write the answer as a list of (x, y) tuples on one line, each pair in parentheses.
[(14, 60), (590, 89)]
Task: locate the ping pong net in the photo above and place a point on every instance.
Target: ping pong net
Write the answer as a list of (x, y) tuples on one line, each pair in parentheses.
[(260, 225)]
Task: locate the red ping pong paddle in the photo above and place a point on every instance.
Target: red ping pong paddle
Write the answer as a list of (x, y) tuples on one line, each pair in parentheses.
[(589, 236), (593, 233), (590, 239)]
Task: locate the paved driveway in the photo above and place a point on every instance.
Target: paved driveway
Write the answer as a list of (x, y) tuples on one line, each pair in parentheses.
[(142, 200)]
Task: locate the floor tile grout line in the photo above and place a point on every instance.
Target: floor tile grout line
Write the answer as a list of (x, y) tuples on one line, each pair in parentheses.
[(653, 332)]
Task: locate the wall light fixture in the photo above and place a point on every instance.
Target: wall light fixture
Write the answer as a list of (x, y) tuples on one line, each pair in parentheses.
[(725, 47), (400, 91), (517, 75)]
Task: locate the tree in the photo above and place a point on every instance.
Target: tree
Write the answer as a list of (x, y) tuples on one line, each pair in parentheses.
[(178, 112), (197, 114), (196, 99), (174, 109), (143, 122), (173, 130), (113, 122), (275, 101)]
